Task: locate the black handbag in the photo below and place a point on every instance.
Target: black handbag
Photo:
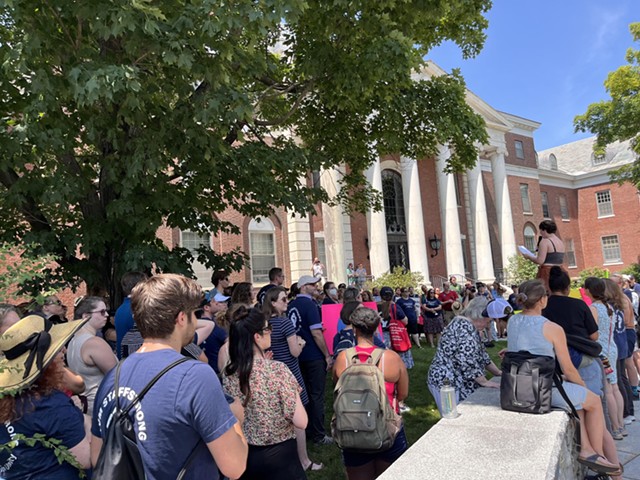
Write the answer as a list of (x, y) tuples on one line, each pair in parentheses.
[(584, 345), (527, 382)]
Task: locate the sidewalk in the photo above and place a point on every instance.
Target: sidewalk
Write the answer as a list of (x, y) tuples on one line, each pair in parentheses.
[(629, 448)]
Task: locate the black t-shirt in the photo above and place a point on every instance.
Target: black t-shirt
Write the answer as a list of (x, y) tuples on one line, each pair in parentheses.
[(573, 315)]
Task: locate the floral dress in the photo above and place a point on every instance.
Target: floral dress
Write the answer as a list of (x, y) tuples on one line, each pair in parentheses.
[(433, 322), (460, 358)]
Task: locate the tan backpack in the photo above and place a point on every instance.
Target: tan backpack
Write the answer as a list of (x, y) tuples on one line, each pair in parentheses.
[(363, 418)]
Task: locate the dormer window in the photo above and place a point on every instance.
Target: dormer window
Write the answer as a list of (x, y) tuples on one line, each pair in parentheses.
[(553, 162), (598, 159)]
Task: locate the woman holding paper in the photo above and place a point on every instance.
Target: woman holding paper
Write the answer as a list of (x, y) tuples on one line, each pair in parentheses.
[(550, 251)]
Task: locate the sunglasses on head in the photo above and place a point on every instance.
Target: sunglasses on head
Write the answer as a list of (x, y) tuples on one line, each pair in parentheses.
[(267, 329)]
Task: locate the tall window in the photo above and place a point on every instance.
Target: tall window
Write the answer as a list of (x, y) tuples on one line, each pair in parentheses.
[(553, 162), (519, 150), (192, 241), (564, 207), (456, 185), (322, 255), (605, 206), (395, 219), (262, 249), (545, 204), (611, 249), (530, 237), (526, 201), (393, 202), (571, 252)]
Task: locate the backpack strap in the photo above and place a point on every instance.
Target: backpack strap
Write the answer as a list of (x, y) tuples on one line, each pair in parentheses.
[(141, 395)]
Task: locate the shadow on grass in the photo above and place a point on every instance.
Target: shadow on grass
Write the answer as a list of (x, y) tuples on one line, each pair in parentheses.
[(417, 422)]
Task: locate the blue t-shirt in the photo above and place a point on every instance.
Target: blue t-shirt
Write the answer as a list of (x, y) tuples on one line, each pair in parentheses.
[(55, 416), (124, 322), (184, 410), (408, 306), (213, 343), (304, 313)]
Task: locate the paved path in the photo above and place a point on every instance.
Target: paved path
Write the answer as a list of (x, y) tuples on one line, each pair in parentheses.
[(629, 448)]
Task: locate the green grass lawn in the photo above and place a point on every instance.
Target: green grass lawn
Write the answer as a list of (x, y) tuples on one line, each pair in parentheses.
[(422, 417)]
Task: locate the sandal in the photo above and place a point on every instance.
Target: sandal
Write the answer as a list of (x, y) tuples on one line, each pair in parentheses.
[(594, 462), (313, 467)]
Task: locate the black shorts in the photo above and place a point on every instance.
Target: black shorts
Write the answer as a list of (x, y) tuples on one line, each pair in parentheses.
[(274, 461), (352, 458)]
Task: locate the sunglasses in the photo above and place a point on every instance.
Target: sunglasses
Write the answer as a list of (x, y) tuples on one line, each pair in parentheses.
[(104, 312), (267, 329), (54, 302)]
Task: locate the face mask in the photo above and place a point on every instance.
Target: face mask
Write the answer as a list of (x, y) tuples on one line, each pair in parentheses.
[(333, 291)]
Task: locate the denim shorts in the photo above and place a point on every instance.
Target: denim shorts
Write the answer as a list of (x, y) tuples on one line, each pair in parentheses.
[(352, 458)]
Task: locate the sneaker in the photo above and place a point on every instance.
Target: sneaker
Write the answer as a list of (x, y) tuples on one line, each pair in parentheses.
[(629, 420), (489, 344), (617, 435), (623, 432), (404, 409), (326, 440)]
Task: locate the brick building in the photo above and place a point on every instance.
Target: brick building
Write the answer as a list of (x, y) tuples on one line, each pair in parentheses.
[(477, 218)]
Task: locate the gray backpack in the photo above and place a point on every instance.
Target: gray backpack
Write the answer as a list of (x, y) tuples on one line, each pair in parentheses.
[(363, 418)]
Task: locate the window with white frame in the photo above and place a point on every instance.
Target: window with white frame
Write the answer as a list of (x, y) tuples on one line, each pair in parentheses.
[(192, 241), (553, 162), (519, 149), (322, 256), (564, 207), (530, 237), (598, 159), (545, 204), (611, 249), (262, 247), (605, 206), (571, 252), (526, 201)]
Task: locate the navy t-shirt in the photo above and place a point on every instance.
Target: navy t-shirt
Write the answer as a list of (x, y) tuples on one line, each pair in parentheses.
[(213, 343), (123, 321), (304, 313), (408, 306), (55, 416), (263, 292), (184, 410)]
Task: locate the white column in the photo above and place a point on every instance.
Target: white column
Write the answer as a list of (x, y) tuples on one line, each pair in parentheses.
[(503, 206), (416, 240), (481, 240), (377, 227), (299, 233), (449, 215), (333, 227)]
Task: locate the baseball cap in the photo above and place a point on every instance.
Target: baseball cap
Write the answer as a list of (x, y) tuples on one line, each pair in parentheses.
[(498, 308), (307, 280), (218, 297), (386, 292)]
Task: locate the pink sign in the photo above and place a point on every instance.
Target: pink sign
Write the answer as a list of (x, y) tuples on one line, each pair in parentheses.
[(331, 321)]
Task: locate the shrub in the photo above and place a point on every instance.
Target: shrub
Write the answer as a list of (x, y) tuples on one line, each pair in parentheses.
[(520, 269), (399, 277)]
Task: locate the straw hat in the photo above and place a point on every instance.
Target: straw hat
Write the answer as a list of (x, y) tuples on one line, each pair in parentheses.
[(29, 346), (456, 307)]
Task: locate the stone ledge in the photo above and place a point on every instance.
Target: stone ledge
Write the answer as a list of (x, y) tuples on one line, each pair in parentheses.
[(486, 442)]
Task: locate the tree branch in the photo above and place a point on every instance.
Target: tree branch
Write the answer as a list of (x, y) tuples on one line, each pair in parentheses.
[(278, 121), (28, 208)]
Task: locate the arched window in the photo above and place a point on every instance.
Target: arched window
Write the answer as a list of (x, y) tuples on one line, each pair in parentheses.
[(395, 219), (262, 249), (553, 162), (192, 241), (530, 237), (393, 202)]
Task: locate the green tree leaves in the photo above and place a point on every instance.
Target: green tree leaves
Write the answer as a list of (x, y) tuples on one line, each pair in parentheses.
[(119, 117)]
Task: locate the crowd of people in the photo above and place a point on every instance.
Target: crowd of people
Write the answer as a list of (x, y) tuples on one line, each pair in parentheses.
[(253, 393)]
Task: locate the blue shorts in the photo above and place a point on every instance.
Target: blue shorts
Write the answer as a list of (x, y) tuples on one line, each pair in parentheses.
[(631, 340), (352, 458)]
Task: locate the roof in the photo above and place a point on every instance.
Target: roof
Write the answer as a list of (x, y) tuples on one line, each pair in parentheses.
[(577, 158)]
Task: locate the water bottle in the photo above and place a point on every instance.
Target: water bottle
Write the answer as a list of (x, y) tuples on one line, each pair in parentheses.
[(448, 400)]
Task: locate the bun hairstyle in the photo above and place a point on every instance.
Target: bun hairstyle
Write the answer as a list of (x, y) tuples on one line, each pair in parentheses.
[(559, 280), (548, 226), (365, 320), (531, 292)]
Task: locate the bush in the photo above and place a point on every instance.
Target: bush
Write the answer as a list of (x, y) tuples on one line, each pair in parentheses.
[(633, 269), (520, 269), (399, 277), (590, 272)]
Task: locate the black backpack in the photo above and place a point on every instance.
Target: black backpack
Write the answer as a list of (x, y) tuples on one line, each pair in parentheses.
[(119, 457)]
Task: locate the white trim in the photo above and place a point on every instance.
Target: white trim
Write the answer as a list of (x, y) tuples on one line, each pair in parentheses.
[(606, 216), (390, 165)]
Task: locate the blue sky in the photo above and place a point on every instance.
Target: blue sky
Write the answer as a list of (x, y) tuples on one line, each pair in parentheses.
[(547, 60)]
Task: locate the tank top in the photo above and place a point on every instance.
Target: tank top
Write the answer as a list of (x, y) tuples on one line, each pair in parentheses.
[(390, 387), (555, 257), (91, 375), (524, 332)]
